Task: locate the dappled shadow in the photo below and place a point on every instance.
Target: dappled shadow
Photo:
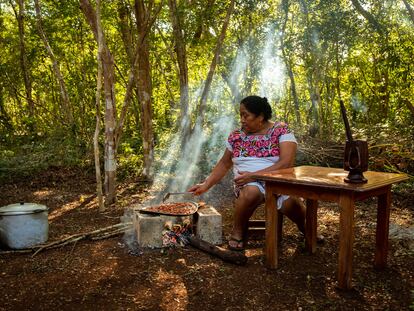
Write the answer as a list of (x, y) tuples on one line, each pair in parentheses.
[(104, 275)]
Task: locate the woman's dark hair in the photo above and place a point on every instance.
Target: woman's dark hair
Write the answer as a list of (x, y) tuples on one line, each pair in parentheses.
[(258, 106)]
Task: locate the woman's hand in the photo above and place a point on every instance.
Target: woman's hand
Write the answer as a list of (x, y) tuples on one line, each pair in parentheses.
[(243, 178), (199, 188)]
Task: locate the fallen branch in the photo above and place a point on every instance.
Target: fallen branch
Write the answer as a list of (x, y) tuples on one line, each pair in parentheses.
[(98, 234)]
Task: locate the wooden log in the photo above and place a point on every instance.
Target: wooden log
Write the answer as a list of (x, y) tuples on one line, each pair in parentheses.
[(234, 257)]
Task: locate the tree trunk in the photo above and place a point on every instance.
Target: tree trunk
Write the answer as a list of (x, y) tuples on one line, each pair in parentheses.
[(409, 9), (369, 17), (98, 109), (180, 50), (125, 29), (203, 17), (144, 85), (313, 75), (4, 117), (131, 51), (148, 21), (109, 95), (410, 107), (288, 63), (217, 51), (20, 16), (66, 105)]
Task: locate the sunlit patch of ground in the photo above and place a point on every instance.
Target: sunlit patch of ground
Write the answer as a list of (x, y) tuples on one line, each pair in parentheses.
[(172, 291)]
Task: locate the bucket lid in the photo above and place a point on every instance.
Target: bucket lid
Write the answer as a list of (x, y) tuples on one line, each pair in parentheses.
[(22, 209)]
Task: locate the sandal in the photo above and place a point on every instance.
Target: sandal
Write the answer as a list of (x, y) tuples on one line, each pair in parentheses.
[(239, 244)]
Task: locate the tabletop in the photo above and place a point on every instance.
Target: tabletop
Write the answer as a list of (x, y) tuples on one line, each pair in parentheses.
[(328, 177)]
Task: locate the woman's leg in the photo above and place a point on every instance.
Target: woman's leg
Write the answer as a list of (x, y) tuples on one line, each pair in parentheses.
[(249, 199), (295, 210)]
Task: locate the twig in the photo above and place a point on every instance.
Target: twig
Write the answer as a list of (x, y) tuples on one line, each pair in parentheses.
[(98, 234), (18, 251), (111, 234)]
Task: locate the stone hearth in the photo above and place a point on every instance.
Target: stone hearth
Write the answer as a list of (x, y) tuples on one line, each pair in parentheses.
[(149, 228)]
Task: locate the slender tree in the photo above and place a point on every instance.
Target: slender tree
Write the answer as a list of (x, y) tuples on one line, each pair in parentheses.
[(180, 50), (109, 95), (24, 66), (144, 86), (66, 105), (313, 73), (207, 85), (369, 17), (98, 109), (409, 9), (287, 60)]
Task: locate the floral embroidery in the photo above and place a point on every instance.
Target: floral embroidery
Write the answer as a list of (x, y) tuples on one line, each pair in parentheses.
[(266, 145)]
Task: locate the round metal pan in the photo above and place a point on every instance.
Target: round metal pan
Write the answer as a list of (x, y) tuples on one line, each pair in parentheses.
[(193, 209)]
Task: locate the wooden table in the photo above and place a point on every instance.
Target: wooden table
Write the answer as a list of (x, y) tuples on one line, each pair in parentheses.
[(327, 184)]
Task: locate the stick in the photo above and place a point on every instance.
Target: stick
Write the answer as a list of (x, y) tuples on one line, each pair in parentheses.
[(77, 237), (237, 258), (98, 234), (110, 234)]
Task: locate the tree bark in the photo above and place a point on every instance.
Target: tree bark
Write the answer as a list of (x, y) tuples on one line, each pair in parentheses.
[(98, 109), (20, 16), (410, 106), (125, 29), (144, 84), (409, 9), (125, 17), (369, 17), (4, 117), (217, 51), (180, 50), (134, 73), (66, 105), (109, 95), (204, 16), (313, 75), (288, 64)]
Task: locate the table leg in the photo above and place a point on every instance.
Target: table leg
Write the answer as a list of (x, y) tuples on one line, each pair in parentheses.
[(311, 225), (271, 251), (383, 223), (346, 239)]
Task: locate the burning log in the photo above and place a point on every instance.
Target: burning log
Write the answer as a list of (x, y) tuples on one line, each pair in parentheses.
[(237, 258)]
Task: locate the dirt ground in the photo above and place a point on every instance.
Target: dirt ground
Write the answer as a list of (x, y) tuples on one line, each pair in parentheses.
[(105, 275)]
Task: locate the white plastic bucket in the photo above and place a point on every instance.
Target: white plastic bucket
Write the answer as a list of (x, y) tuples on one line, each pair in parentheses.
[(23, 225)]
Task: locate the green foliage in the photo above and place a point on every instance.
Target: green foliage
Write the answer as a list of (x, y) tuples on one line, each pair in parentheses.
[(26, 157), (332, 50), (130, 160)]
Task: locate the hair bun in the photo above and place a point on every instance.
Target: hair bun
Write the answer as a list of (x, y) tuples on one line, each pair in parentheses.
[(265, 99)]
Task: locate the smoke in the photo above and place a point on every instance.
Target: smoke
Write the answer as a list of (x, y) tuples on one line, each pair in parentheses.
[(272, 74), (178, 167), (358, 105)]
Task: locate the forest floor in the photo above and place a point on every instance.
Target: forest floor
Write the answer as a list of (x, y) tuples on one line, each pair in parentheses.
[(105, 275)]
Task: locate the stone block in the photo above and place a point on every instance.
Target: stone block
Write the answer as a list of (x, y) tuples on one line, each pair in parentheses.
[(209, 225), (149, 227)]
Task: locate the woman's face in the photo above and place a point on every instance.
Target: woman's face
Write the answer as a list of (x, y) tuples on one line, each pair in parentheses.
[(249, 121)]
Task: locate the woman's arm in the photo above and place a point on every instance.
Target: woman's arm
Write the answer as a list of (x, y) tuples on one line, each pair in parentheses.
[(286, 159), (218, 172)]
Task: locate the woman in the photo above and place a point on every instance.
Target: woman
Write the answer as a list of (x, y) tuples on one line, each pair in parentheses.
[(259, 146)]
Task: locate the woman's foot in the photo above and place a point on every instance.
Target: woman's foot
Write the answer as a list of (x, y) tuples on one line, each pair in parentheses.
[(236, 244)]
